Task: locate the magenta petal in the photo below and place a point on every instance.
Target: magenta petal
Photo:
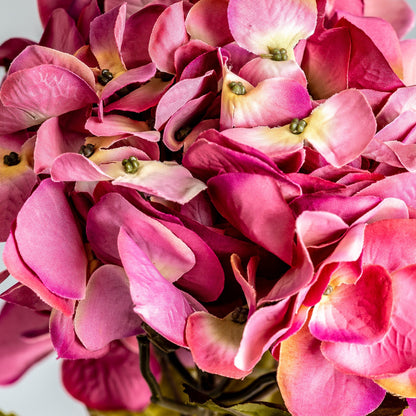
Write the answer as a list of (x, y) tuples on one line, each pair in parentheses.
[(139, 26), (18, 353), (311, 385), (358, 313), (46, 91), (49, 241), (168, 34), (106, 37), (14, 119), (265, 219), (22, 295), (395, 353), (61, 33), (214, 343), (168, 311), (96, 322), (117, 383)]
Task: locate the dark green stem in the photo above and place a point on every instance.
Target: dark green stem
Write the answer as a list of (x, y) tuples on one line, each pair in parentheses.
[(258, 386), (180, 368)]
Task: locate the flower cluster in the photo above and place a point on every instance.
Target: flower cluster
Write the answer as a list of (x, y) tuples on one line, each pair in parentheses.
[(224, 178)]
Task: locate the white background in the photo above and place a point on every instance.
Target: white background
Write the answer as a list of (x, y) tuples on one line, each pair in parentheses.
[(39, 392)]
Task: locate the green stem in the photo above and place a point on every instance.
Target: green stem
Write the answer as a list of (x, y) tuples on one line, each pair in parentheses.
[(258, 386), (180, 368)]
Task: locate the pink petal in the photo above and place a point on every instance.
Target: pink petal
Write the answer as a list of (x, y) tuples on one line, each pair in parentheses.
[(398, 13), (408, 47), (106, 36), (140, 74), (259, 69), (168, 34), (167, 313), (271, 24), (97, 324), (214, 343), (395, 353), (17, 352), (46, 91), (207, 21), (49, 241), (286, 99), (37, 55), (300, 357), (354, 312), (111, 382), (403, 384), (265, 219), (331, 131), (21, 295), (65, 341), (23, 274)]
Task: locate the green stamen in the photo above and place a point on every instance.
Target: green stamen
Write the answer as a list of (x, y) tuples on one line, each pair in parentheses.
[(237, 87), (105, 77), (278, 54), (297, 126), (12, 159), (87, 150), (131, 165), (328, 290), (240, 314)]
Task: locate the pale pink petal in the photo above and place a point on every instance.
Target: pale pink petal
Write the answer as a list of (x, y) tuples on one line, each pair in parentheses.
[(408, 47), (49, 241), (358, 313), (311, 385), (167, 180), (265, 219), (17, 352), (259, 69), (167, 35), (168, 311), (46, 91), (214, 343), (95, 323), (403, 384), (398, 13), (258, 26), (115, 124), (106, 37), (207, 21), (331, 132), (286, 99), (111, 382)]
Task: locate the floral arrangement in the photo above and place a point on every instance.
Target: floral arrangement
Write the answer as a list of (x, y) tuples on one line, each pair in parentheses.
[(209, 207)]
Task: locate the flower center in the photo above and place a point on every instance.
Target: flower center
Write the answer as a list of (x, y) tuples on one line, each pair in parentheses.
[(297, 126), (105, 77), (131, 165), (11, 159), (328, 290), (182, 133), (237, 87), (278, 54), (87, 150), (240, 314)]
